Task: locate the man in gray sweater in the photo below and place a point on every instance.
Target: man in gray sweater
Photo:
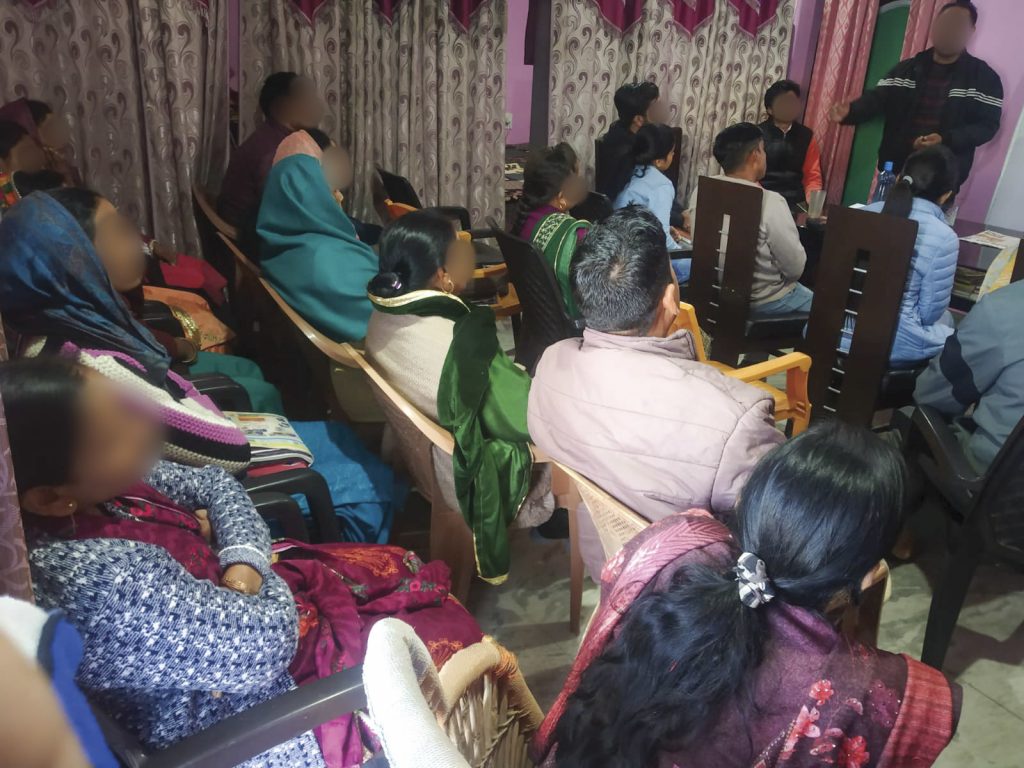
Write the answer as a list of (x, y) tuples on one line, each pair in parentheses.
[(781, 258), (982, 365)]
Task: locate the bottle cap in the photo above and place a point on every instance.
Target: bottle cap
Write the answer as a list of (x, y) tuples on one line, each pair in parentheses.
[(888, 165)]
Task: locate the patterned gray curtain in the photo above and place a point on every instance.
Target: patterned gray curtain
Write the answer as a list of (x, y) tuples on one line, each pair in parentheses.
[(420, 95), (143, 84), (711, 59), (14, 576)]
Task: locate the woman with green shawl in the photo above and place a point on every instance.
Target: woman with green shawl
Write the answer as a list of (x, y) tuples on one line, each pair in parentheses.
[(551, 186), (443, 356), (308, 246)]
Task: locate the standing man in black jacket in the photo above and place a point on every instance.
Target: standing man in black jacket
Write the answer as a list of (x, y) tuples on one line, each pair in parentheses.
[(940, 96)]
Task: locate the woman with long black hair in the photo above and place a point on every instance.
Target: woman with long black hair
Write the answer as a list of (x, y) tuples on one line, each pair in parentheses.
[(713, 649)]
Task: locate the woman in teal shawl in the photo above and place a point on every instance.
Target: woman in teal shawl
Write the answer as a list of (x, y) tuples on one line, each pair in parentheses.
[(551, 186), (308, 246), (443, 355)]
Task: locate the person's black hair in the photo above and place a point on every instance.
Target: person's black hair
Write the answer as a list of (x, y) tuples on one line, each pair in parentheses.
[(734, 145), (412, 249), (820, 510), (320, 137), (653, 142), (27, 182), (620, 270), (10, 134), (41, 400), (929, 174), (543, 176), (634, 99), (275, 88), (968, 6), (81, 203), (39, 110), (778, 88)]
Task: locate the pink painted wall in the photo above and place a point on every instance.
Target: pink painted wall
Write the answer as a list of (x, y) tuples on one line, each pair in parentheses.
[(806, 24), (518, 76), (997, 41)]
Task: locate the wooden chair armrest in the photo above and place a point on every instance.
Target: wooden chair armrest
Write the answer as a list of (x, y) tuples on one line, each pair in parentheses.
[(792, 361)]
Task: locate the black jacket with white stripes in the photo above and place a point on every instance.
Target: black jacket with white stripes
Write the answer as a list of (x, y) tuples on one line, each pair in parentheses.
[(970, 118)]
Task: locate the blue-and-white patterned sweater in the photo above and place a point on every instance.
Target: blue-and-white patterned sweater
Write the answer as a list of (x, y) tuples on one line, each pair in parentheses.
[(167, 654)]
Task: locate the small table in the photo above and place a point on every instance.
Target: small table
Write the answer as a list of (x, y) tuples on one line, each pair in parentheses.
[(973, 262)]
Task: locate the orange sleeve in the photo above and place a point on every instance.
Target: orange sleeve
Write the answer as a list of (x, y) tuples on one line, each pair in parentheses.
[(812, 169)]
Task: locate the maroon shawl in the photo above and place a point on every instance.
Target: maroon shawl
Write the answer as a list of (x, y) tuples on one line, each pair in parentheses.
[(817, 698), (340, 590)]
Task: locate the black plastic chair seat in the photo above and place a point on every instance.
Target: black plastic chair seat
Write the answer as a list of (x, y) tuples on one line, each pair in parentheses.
[(782, 326), (897, 387), (487, 255)]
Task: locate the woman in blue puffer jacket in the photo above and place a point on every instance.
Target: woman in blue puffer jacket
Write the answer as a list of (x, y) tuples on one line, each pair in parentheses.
[(924, 187)]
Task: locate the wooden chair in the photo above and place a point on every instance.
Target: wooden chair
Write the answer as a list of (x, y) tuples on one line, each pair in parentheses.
[(477, 711), (545, 319), (722, 276), (791, 404), (989, 507), (863, 271)]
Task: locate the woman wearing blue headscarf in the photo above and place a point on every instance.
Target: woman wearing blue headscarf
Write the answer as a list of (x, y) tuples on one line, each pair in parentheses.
[(62, 283), (309, 249)]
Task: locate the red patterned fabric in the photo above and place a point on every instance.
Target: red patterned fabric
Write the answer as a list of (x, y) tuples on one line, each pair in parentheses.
[(340, 591), (919, 26), (840, 66), (754, 14), (309, 8), (814, 699), (688, 14), (926, 720)]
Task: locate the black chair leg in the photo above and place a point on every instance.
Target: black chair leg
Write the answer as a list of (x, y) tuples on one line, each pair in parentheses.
[(948, 597)]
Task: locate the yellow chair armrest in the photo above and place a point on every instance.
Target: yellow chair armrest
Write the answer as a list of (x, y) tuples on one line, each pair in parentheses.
[(792, 361)]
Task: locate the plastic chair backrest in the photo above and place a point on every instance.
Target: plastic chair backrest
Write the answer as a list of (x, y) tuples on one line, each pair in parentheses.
[(210, 224), (211, 215), (545, 319), (615, 522), (416, 434), (726, 229), (861, 275), (595, 208), (1001, 500), (339, 353), (399, 189)]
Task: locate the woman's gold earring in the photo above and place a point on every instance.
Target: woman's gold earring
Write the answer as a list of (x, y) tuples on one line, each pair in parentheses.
[(449, 284), (71, 506)]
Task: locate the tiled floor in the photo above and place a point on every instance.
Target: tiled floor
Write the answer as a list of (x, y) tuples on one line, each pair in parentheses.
[(529, 615)]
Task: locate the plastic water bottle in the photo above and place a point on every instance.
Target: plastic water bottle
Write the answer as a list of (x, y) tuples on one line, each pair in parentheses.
[(886, 181)]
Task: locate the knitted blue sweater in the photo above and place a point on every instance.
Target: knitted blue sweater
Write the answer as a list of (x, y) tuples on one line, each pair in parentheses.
[(166, 654)]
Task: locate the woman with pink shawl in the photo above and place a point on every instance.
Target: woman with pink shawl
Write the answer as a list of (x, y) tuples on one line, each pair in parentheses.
[(712, 649)]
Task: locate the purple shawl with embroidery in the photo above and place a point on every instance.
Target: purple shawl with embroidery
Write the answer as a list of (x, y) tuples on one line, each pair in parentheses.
[(816, 699)]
